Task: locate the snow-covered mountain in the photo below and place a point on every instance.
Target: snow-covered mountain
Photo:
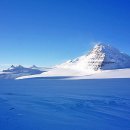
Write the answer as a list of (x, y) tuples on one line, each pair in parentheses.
[(21, 69), (101, 57), (17, 71)]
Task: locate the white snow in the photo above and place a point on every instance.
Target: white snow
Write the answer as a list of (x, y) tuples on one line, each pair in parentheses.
[(39, 104), (57, 72), (71, 74), (107, 74)]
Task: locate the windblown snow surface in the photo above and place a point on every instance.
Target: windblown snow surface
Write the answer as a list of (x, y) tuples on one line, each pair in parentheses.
[(54, 104)]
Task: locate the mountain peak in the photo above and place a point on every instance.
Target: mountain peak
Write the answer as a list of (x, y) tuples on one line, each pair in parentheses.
[(104, 46), (12, 66), (33, 67), (101, 45)]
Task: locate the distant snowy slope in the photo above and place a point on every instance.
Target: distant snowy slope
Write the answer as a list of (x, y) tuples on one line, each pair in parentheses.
[(106, 74), (56, 72), (70, 74)]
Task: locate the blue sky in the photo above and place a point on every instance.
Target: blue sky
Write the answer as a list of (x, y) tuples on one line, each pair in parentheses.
[(48, 32)]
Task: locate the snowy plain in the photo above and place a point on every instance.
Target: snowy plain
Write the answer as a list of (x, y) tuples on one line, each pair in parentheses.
[(53, 104)]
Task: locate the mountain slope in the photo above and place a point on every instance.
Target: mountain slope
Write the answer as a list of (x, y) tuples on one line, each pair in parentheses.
[(102, 57)]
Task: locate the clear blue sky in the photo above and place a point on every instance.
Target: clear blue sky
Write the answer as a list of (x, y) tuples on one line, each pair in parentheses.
[(47, 32)]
